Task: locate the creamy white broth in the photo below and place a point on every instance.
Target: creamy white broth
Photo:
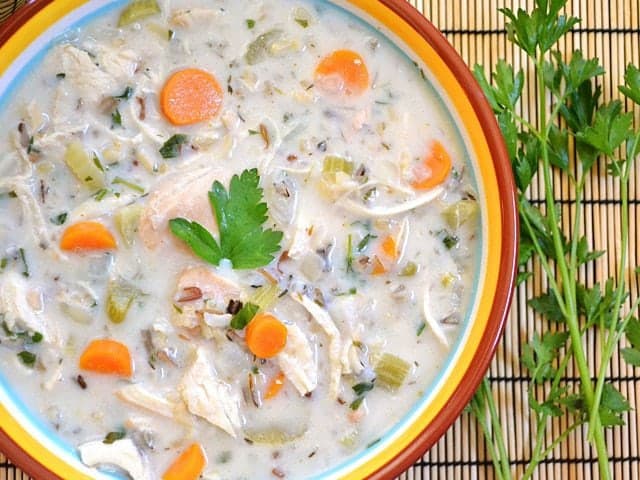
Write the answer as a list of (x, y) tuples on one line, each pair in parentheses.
[(384, 132)]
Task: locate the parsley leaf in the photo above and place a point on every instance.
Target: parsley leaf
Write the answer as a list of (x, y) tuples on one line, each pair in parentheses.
[(171, 148), (547, 305), (631, 87), (244, 316), (28, 358), (363, 387), (240, 214), (126, 95), (609, 130), (112, 437)]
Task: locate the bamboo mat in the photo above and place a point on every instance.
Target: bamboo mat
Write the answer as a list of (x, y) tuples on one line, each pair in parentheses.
[(610, 29)]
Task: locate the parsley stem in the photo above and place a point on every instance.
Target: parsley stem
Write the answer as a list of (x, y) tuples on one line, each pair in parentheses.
[(612, 335), (568, 283), (544, 262), (491, 429)]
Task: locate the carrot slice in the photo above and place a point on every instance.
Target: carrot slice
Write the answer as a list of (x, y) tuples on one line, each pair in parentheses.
[(378, 267), (266, 336), (107, 356), (389, 248), (434, 169), (275, 386), (188, 466), (87, 236), (343, 71), (190, 96)]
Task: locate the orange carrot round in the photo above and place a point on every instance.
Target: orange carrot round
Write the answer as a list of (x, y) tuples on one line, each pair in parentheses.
[(389, 248), (107, 356), (275, 386), (378, 266), (266, 336), (190, 96), (434, 169), (343, 71), (87, 236), (188, 466)]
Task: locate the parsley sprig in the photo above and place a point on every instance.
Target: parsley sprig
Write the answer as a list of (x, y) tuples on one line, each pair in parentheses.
[(240, 214), (573, 122)]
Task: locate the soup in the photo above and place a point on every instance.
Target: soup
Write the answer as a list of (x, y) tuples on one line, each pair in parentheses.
[(237, 238)]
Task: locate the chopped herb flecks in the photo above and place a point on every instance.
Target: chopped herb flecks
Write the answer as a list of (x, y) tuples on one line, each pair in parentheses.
[(27, 358), (113, 436), (172, 147), (244, 316), (23, 259)]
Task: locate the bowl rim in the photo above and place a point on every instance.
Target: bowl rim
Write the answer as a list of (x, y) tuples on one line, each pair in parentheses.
[(506, 270)]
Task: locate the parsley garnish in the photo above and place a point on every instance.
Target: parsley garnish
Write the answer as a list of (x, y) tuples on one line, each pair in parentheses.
[(244, 316), (59, 219), (365, 241), (172, 147), (240, 214), (361, 390), (23, 259), (113, 436), (126, 95), (28, 358), (116, 118), (250, 23)]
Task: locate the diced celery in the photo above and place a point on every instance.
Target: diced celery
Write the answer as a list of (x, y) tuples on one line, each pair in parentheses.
[(391, 371), (138, 10), (265, 296), (273, 436), (302, 17), (335, 164), (127, 219), (460, 212), (120, 296), (259, 48), (83, 167), (409, 270)]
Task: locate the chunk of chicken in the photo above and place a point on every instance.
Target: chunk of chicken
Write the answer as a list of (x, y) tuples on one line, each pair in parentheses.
[(201, 291), (298, 362), (348, 313), (22, 308), (179, 195), (117, 62), (209, 397), (137, 395), (87, 80), (322, 317), (186, 18), (121, 453)]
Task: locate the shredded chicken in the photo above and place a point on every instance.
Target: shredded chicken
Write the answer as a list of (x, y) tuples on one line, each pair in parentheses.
[(432, 322), (137, 395), (335, 343), (186, 18), (209, 397), (23, 311), (359, 208), (121, 453), (199, 292), (297, 361), (178, 195)]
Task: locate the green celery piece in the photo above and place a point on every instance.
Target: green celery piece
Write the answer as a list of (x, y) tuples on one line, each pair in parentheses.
[(138, 10), (120, 296), (460, 212), (83, 167), (126, 220), (391, 371)]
